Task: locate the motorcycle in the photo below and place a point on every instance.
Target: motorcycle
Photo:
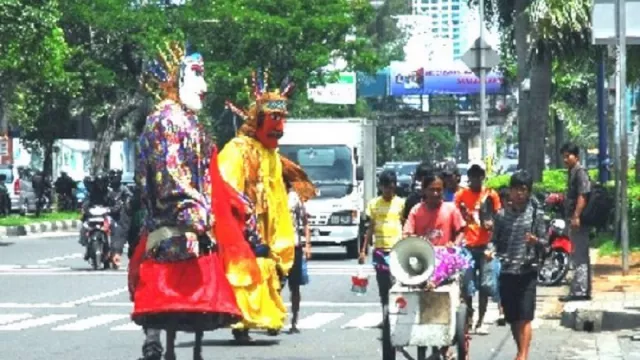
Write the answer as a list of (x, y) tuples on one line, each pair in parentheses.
[(556, 259), (98, 230)]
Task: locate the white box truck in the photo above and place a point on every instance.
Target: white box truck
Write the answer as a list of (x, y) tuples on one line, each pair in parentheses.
[(339, 157)]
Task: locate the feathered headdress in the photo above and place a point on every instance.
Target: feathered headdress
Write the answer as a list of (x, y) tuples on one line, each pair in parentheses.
[(262, 100), (161, 75)]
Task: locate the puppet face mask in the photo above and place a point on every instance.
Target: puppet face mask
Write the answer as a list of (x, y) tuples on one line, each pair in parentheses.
[(192, 85), (270, 129)]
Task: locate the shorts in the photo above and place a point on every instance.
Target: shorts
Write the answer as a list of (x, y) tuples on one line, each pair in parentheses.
[(518, 296), (296, 275)]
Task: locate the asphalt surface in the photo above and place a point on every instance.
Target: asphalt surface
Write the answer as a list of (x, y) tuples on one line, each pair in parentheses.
[(52, 306)]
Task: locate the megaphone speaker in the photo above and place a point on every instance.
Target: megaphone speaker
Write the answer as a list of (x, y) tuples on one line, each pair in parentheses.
[(412, 261)]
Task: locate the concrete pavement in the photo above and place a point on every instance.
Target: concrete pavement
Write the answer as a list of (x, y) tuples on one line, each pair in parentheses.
[(52, 306)]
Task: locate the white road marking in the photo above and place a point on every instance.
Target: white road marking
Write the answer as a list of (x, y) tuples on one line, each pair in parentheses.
[(317, 320), (127, 327), (34, 306), (103, 295), (366, 320), (9, 318), (91, 322), (303, 304), (33, 322), (61, 258)]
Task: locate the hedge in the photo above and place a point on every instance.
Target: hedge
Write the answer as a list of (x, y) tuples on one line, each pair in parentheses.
[(556, 181)]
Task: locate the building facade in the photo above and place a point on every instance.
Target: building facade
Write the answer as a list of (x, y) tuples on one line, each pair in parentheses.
[(449, 19)]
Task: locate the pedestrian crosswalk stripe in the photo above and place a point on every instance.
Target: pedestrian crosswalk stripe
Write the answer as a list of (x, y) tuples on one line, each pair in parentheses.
[(367, 320), (127, 327), (9, 318), (120, 321), (33, 322), (317, 320), (91, 322)]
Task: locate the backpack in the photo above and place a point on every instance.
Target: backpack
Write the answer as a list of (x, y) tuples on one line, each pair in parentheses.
[(596, 211)]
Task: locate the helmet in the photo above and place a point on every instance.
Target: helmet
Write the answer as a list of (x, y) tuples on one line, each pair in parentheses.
[(115, 177), (101, 181)]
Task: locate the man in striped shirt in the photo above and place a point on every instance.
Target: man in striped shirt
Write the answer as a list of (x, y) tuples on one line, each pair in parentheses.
[(518, 237)]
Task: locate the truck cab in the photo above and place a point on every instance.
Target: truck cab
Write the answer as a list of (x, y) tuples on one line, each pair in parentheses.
[(330, 153)]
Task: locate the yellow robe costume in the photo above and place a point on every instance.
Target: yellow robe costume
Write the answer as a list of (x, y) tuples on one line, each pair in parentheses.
[(257, 172)]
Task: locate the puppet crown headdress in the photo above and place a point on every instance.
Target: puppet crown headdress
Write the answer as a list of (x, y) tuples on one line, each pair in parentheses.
[(264, 100), (162, 74)]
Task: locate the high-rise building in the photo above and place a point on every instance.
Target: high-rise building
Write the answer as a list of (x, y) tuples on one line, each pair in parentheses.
[(449, 20)]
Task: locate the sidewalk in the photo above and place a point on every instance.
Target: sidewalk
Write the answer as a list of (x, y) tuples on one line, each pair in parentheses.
[(615, 303)]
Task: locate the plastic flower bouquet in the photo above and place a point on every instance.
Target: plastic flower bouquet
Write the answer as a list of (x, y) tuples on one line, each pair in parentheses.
[(449, 263)]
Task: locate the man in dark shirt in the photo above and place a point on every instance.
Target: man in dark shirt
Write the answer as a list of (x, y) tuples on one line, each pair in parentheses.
[(518, 237), (451, 177), (415, 197), (578, 188)]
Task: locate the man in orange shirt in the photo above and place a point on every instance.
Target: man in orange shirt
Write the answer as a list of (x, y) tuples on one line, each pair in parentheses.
[(477, 233)]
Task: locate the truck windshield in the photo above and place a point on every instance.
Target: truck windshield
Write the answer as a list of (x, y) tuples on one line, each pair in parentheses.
[(325, 164)]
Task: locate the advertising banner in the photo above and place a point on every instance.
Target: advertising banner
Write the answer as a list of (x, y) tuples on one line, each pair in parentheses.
[(458, 80)]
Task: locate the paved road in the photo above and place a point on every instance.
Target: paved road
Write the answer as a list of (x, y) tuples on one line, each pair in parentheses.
[(52, 306)]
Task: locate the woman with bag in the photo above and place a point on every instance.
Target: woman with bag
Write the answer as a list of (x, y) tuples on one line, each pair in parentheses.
[(298, 275)]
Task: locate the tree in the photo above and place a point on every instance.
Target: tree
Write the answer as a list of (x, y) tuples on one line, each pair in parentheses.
[(111, 39), (32, 47), (291, 38), (541, 31)]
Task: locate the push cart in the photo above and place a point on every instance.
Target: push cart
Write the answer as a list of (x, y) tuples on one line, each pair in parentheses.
[(427, 319)]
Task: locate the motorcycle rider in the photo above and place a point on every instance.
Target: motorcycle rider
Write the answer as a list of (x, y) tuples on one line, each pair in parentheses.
[(120, 196), (64, 187), (98, 195)]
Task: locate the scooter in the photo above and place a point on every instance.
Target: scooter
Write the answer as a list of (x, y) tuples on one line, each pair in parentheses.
[(98, 230), (556, 260)]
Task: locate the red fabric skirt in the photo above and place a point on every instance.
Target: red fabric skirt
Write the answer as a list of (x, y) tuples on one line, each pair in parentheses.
[(189, 295)]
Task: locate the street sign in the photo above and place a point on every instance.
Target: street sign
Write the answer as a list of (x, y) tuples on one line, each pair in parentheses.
[(471, 58)]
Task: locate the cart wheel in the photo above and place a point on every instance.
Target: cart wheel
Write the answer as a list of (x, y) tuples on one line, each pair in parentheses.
[(462, 332), (388, 350)]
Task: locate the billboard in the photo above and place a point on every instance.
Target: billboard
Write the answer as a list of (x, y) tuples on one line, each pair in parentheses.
[(405, 79)]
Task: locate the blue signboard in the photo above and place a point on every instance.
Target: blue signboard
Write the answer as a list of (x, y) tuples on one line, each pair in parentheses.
[(369, 86), (423, 81)]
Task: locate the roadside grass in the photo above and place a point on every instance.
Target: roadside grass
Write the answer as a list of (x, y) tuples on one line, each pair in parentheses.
[(17, 220), (607, 245)]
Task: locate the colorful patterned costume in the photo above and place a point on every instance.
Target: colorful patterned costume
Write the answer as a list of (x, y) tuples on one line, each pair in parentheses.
[(252, 165), (176, 274)]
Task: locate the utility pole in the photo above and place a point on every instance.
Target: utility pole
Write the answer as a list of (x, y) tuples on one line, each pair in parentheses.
[(483, 87), (603, 147), (622, 124)]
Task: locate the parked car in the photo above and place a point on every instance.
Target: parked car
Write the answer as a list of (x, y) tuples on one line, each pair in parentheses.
[(18, 183)]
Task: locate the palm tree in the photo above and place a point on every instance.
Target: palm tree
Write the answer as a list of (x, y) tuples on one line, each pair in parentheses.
[(541, 31)]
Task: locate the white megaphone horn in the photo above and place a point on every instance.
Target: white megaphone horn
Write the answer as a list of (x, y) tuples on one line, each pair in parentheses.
[(412, 261)]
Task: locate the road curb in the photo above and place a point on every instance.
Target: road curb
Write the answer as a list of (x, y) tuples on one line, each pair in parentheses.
[(590, 318), (40, 227)]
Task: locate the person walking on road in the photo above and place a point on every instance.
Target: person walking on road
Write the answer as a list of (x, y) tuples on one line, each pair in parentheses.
[(578, 188), (385, 226), (477, 235), (518, 238), (451, 178), (415, 197), (297, 276)]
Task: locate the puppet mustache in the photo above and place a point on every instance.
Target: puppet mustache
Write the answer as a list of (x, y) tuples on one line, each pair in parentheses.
[(276, 134)]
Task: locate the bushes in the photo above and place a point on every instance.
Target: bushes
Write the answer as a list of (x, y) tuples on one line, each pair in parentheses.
[(556, 181)]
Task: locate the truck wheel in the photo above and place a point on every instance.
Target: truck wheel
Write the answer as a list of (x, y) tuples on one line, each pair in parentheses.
[(352, 249)]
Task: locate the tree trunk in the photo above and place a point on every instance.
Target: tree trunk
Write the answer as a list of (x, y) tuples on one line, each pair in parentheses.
[(521, 32), (637, 163), (47, 159), (99, 153), (558, 127), (539, 113)]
